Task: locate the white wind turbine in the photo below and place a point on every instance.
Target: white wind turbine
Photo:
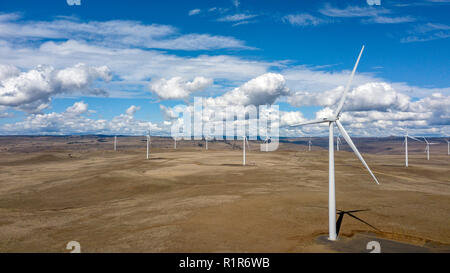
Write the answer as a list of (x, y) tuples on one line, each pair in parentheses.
[(427, 149), (175, 142), (338, 142), (115, 143), (206, 142), (148, 144), (309, 145), (448, 147), (331, 183), (244, 141), (406, 146), (267, 140)]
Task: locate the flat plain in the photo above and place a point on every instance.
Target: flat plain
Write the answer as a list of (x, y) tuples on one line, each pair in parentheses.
[(76, 188)]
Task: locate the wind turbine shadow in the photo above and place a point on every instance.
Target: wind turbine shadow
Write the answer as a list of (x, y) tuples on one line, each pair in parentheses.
[(341, 214)]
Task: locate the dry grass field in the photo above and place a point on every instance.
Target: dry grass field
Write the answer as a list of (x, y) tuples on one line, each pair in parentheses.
[(59, 189)]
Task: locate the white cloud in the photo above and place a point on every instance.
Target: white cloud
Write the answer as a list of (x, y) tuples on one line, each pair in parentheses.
[(264, 89), (133, 64), (132, 110), (427, 32), (32, 91), (8, 71), (168, 113), (194, 12), (177, 87), (115, 33), (73, 121), (236, 17), (290, 118), (378, 109), (390, 20), (302, 19), (77, 108), (376, 14), (353, 11), (378, 96)]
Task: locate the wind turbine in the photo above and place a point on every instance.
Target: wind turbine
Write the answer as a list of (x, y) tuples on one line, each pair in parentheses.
[(338, 142), (244, 141), (115, 143), (406, 146), (448, 147), (309, 145), (427, 149), (148, 145), (331, 183), (267, 140), (206, 142)]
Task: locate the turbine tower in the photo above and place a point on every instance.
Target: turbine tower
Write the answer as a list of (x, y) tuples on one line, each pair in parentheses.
[(309, 145), (331, 183), (148, 144), (338, 142), (406, 146), (427, 149), (244, 141), (448, 147), (115, 143), (267, 141)]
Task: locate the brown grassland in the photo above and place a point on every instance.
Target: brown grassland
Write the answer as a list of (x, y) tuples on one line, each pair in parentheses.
[(57, 189)]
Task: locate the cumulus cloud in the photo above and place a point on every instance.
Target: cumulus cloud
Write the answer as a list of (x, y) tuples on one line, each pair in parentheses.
[(177, 87), (290, 118), (378, 109), (73, 120), (132, 110), (8, 71), (378, 96), (264, 89), (77, 108), (168, 113), (32, 91)]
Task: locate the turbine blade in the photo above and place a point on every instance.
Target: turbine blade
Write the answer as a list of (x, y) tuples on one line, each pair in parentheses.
[(309, 122), (355, 150), (347, 87), (415, 138)]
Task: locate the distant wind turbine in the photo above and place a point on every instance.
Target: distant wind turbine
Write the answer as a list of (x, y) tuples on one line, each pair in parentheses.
[(448, 147), (115, 143), (338, 142), (427, 149), (244, 141), (206, 142), (406, 146), (309, 145), (267, 140), (148, 145), (331, 183)]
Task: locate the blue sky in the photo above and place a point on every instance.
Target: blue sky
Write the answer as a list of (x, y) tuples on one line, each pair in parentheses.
[(224, 44)]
